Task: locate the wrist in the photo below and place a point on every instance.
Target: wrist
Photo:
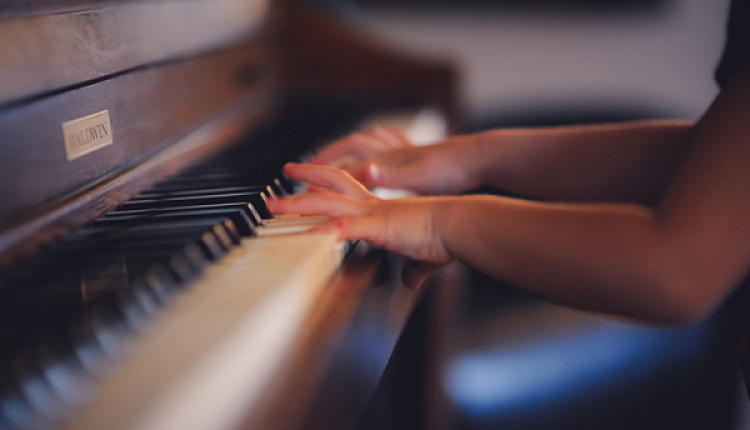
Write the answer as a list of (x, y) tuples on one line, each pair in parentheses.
[(479, 162), (445, 223)]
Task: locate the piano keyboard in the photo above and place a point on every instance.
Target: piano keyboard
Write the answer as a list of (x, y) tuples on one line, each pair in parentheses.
[(171, 312), (234, 326), (200, 251)]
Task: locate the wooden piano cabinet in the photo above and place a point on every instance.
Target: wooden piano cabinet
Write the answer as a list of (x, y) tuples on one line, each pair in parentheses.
[(371, 356), (183, 103), (323, 59), (337, 362), (411, 393)]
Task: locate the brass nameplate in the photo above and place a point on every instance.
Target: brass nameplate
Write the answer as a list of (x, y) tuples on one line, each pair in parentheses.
[(86, 134)]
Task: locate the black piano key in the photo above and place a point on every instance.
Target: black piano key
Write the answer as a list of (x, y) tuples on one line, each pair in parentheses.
[(145, 233), (118, 266), (113, 269), (257, 199), (186, 228), (161, 193), (87, 349), (227, 232), (96, 343), (211, 245), (65, 373), (190, 186), (244, 224), (182, 267), (215, 241), (223, 209), (282, 186), (78, 246), (15, 409), (47, 407), (174, 245), (188, 183), (96, 285), (139, 307), (212, 237), (178, 231), (185, 264), (111, 331), (219, 171), (161, 284), (231, 175)]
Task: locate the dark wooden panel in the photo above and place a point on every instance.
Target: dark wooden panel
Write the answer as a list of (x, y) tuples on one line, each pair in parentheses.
[(327, 60), (147, 109), (42, 53), (45, 195), (39, 7), (218, 132)]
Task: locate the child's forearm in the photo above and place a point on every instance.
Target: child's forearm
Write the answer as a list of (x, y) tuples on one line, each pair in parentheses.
[(620, 162), (606, 258)]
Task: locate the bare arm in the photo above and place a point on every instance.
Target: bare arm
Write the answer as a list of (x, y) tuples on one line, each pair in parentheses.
[(671, 263), (616, 162)]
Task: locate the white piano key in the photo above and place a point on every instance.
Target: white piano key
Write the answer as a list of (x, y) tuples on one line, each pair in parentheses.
[(289, 224), (215, 348)]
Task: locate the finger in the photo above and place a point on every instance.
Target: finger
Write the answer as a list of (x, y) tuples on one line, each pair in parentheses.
[(335, 151), (358, 145), (319, 203), (354, 166), (355, 225), (383, 175), (328, 177), (374, 175), (394, 138), (316, 188), (413, 273)]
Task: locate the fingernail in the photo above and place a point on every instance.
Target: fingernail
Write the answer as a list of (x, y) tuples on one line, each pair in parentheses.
[(374, 172)]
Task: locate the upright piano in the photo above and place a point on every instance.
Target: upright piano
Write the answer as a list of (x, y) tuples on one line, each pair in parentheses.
[(143, 282)]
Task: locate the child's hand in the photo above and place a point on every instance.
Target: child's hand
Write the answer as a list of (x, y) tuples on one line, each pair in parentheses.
[(405, 226), (384, 157), (362, 145)]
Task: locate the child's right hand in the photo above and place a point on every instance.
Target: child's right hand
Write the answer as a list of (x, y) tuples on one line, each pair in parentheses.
[(382, 157)]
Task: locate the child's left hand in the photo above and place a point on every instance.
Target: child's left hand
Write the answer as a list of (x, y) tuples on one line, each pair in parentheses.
[(404, 226)]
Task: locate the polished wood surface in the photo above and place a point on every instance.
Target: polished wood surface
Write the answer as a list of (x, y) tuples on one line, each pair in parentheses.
[(45, 52), (150, 110)]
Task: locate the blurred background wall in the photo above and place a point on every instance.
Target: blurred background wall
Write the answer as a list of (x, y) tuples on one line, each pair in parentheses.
[(536, 56)]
